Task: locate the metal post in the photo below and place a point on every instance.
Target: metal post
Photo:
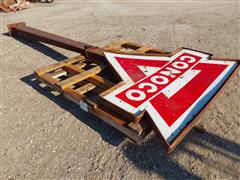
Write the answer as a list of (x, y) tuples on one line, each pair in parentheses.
[(20, 30)]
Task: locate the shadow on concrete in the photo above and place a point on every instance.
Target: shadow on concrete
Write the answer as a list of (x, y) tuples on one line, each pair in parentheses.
[(151, 157), (42, 48), (107, 133)]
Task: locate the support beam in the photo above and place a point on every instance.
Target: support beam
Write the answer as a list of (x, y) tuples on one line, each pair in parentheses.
[(21, 30)]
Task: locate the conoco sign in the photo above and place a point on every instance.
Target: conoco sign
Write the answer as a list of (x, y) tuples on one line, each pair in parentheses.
[(171, 89)]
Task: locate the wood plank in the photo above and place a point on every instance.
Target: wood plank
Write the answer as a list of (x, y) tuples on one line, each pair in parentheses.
[(48, 78), (137, 48), (120, 84), (58, 74), (78, 98), (95, 90), (131, 46), (79, 65), (77, 78), (157, 51), (118, 124), (115, 47), (143, 49), (124, 114), (85, 88), (73, 95), (58, 65), (73, 69), (95, 79), (100, 82)]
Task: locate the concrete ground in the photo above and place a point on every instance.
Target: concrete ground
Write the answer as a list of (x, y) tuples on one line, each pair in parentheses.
[(46, 137)]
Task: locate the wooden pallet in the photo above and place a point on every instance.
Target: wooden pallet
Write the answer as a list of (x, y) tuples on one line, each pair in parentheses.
[(86, 83)]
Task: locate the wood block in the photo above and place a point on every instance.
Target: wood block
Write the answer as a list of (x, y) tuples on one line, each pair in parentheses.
[(77, 78)]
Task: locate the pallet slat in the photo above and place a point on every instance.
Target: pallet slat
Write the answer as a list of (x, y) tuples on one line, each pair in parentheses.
[(48, 78), (52, 67), (85, 88), (95, 79), (123, 46), (77, 78), (58, 74), (143, 49)]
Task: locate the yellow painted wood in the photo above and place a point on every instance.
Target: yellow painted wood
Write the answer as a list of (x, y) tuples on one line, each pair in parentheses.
[(77, 78), (58, 65), (85, 88)]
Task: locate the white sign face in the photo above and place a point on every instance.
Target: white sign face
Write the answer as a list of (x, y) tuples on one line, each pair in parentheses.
[(171, 89)]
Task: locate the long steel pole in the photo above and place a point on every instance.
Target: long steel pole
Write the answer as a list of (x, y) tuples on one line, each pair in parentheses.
[(21, 30)]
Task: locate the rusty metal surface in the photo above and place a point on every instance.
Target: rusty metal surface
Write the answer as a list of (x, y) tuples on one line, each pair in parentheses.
[(20, 30)]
